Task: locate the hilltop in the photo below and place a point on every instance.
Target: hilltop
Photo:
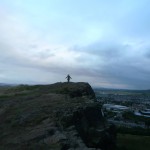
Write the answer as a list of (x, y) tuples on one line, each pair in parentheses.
[(59, 116)]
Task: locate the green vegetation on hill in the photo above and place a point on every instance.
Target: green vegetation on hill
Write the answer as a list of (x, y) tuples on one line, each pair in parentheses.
[(72, 89), (133, 142), (123, 92), (133, 131), (130, 116), (53, 117)]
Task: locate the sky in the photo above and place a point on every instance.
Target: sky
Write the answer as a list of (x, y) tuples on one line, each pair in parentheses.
[(105, 43)]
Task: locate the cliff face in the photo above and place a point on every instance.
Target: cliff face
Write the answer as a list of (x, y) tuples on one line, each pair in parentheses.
[(60, 116), (72, 89)]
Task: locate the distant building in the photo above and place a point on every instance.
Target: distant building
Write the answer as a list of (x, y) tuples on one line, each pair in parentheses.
[(144, 113), (115, 108)]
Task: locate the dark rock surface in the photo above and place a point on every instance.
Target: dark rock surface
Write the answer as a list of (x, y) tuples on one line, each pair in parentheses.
[(61, 116)]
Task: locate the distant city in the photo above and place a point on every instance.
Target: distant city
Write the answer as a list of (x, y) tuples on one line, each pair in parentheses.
[(126, 108)]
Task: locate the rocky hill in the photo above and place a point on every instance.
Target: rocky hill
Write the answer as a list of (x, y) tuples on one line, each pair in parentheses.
[(60, 116)]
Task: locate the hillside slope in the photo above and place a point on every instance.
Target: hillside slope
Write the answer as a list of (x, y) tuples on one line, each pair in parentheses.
[(60, 116)]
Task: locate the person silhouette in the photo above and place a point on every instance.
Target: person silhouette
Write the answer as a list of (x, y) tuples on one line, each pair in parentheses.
[(68, 78)]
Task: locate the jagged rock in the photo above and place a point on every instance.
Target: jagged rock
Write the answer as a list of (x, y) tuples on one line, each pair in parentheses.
[(93, 128), (61, 116)]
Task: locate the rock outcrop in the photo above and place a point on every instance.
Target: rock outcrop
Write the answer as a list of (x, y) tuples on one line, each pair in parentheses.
[(61, 116)]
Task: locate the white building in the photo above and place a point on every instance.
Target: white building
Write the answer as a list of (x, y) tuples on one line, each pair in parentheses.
[(115, 108)]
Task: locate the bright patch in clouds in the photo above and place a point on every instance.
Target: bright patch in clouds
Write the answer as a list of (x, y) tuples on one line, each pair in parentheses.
[(101, 42)]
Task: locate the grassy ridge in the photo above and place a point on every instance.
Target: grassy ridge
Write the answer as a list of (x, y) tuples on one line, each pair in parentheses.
[(133, 142)]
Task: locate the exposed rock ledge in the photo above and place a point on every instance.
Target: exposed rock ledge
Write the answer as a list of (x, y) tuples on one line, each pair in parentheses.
[(61, 116)]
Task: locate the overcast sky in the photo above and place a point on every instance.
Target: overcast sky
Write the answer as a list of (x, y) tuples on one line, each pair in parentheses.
[(103, 42)]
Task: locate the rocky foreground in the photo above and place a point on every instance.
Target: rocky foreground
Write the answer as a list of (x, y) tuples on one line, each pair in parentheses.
[(61, 116)]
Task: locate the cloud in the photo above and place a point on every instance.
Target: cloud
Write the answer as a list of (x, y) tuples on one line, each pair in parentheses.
[(26, 57), (117, 63), (102, 43)]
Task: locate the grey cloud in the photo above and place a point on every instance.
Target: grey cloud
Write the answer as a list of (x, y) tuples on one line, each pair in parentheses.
[(118, 64), (45, 54), (104, 49), (147, 53), (108, 61)]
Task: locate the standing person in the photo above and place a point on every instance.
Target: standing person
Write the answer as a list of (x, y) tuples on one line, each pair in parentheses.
[(68, 78)]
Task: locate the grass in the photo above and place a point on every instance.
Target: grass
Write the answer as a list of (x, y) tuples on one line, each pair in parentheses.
[(133, 142), (27, 111)]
